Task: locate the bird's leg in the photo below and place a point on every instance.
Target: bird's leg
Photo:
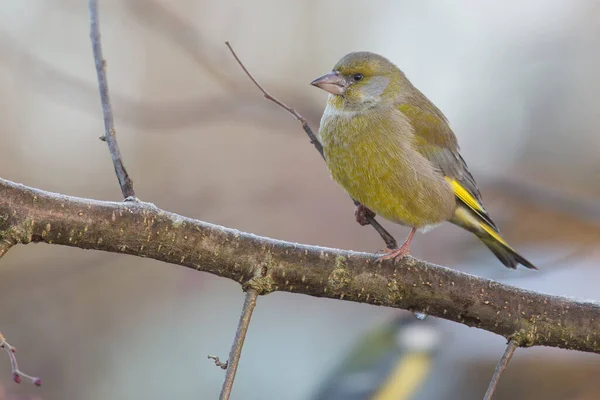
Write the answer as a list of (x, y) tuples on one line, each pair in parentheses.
[(362, 213), (396, 254)]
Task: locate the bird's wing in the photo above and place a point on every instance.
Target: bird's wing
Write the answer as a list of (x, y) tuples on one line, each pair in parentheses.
[(435, 141)]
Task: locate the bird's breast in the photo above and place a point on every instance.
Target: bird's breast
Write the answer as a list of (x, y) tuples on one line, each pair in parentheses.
[(370, 154)]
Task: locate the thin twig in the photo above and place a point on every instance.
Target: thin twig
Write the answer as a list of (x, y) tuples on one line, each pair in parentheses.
[(387, 237), (502, 364), (218, 362), (238, 342), (109, 125), (389, 240), (268, 96), (16, 373)]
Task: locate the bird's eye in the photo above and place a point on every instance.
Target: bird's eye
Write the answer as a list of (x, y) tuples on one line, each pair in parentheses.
[(357, 77)]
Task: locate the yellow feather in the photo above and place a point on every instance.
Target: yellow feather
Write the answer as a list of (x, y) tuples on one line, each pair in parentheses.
[(406, 378), (464, 195), (493, 234), (467, 198)]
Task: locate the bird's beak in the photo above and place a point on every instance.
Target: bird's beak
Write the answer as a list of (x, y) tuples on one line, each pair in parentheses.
[(332, 82)]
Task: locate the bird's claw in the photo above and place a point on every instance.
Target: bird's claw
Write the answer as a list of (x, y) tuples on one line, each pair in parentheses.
[(394, 254)]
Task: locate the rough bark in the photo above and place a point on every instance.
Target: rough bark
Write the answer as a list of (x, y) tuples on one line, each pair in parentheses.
[(141, 229)]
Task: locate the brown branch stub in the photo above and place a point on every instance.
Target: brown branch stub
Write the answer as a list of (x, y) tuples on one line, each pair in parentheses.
[(389, 240), (238, 343), (502, 364), (109, 137), (142, 229), (218, 362), (17, 374)]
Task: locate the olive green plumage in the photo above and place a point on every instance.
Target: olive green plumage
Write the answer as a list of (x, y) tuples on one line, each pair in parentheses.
[(392, 150)]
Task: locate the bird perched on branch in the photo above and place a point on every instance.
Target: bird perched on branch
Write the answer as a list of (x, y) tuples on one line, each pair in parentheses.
[(393, 151)]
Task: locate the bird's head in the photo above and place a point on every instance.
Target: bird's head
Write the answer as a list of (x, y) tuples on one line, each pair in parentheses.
[(361, 80)]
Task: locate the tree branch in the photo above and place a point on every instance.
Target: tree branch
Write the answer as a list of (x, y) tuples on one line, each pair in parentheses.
[(502, 364), (238, 343), (17, 374), (267, 265), (389, 240), (110, 134)]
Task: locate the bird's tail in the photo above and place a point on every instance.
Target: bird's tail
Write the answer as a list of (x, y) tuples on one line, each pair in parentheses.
[(506, 254), (485, 229)]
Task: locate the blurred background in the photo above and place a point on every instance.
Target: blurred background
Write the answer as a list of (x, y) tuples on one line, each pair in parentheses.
[(518, 83)]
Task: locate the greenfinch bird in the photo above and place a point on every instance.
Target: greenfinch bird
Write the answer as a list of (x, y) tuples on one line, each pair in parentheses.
[(393, 361), (393, 151)]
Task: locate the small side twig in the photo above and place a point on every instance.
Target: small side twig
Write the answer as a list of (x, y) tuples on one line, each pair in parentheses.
[(502, 364), (238, 342), (218, 362), (109, 125), (389, 240), (17, 374), (311, 135)]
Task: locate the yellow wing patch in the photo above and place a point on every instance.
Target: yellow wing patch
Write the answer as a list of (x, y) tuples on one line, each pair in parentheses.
[(464, 195), (468, 199)]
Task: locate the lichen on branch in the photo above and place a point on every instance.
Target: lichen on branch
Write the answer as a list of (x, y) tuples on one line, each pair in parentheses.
[(266, 265)]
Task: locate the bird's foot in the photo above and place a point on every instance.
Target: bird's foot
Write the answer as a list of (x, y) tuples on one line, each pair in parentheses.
[(394, 254), (362, 214), (397, 254)]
